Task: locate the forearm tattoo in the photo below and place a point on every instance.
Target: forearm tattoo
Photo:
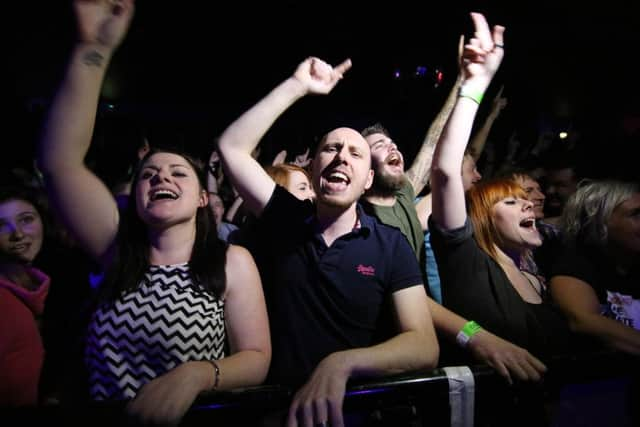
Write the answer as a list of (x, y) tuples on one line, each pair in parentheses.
[(93, 59)]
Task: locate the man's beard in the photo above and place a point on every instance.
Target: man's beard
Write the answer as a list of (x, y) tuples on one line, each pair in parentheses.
[(386, 184)]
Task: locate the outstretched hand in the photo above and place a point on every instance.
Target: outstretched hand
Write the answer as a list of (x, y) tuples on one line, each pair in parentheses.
[(103, 22), (280, 158), (303, 160), (482, 55), (506, 358), (318, 77)]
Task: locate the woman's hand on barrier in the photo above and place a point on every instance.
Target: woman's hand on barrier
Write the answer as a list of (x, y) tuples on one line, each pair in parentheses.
[(168, 397), (319, 401), (508, 359)]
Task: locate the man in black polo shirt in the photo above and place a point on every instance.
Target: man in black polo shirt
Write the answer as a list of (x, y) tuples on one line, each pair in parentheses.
[(332, 271)]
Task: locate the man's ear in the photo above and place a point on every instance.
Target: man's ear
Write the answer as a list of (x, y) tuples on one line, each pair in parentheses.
[(369, 182)]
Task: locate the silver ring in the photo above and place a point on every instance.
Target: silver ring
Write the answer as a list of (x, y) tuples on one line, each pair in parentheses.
[(501, 46)]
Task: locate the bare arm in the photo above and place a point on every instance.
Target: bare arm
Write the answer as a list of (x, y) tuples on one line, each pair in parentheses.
[(168, 397), (506, 358), (580, 304), (481, 61), (480, 138), (415, 347), (232, 211), (84, 203), (423, 208), (247, 323), (243, 135), (420, 171)]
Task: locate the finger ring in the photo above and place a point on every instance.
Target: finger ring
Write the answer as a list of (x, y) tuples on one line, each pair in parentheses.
[(501, 46)]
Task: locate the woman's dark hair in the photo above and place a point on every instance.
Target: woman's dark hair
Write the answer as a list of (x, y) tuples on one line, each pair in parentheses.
[(130, 258)]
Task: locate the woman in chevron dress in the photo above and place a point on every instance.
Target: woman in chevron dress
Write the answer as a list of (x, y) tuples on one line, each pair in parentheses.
[(179, 311)]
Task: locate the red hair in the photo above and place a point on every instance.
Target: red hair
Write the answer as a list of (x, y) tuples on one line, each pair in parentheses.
[(280, 173), (481, 198)]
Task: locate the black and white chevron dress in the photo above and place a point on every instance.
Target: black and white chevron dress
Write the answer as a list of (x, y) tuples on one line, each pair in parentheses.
[(168, 320)]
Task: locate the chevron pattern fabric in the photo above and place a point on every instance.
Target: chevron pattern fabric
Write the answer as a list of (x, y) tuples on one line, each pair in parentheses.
[(168, 320)]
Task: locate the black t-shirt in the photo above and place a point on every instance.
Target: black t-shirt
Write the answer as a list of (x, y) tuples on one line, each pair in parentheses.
[(618, 291), (326, 299), (551, 248), (475, 286)]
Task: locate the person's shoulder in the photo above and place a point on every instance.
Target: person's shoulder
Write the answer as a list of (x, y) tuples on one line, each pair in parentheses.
[(241, 271), (237, 254), (4, 292), (380, 228), (406, 190), (238, 259), (10, 305)]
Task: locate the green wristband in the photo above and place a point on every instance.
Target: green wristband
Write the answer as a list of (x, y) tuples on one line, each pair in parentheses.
[(471, 93), (467, 332)]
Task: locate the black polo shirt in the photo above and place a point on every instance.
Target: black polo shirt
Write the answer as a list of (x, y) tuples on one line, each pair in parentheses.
[(326, 299)]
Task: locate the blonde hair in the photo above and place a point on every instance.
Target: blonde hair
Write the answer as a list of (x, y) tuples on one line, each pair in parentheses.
[(588, 210)]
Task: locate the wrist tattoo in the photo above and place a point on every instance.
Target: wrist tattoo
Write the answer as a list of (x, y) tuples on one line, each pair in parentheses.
[(93, 58)]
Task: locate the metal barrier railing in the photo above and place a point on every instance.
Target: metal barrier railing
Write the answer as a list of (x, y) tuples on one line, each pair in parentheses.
[(452, 396)]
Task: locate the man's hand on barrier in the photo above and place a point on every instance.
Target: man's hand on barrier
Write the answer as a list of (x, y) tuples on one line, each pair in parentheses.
[(319, 401), (506, 358)]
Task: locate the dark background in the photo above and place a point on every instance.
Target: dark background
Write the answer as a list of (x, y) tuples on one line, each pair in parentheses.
[(189, 68)]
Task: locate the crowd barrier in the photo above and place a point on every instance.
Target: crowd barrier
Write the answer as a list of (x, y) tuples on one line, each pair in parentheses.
[(595, 389)]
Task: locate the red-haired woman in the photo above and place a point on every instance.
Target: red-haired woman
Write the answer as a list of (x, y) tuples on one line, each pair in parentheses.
[(294, 178), (475, 252)]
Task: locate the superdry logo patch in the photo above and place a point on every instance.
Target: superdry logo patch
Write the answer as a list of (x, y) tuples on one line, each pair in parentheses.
[(366, 270)]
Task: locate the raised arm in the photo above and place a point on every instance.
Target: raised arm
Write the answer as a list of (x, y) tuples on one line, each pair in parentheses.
[(84, 203), (420, 170), (481, 58), (243, 135)]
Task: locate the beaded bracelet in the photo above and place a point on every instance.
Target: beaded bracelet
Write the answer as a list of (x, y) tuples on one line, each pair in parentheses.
[(217, 374)]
